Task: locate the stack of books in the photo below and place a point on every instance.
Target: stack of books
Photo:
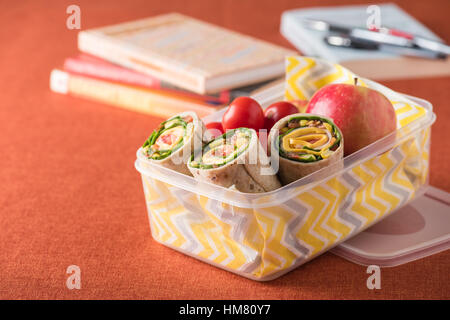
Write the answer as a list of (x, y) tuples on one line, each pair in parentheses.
[(167, 64)]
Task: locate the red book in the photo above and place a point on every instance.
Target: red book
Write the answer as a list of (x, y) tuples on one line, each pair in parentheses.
[(87, 65), (93, 67)]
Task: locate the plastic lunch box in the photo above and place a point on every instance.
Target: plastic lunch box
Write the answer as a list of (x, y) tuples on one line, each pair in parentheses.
[(263, 236)]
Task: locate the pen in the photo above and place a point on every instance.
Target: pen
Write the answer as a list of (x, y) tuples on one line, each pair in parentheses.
[(383, 36), (348, 42)]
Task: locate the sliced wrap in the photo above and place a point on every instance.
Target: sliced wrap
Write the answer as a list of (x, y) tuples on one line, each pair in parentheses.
[(235, 158), (172, 144), (305, 143)]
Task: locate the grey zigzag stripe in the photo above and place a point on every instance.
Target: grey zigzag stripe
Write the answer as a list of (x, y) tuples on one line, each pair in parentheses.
[(192, 214), (238, 222), (292, 228), (344, 213), (318, 71), (398, 156), (239, 225)]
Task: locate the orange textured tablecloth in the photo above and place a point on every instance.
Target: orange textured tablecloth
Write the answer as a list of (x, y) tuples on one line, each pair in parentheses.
[(69, 193)]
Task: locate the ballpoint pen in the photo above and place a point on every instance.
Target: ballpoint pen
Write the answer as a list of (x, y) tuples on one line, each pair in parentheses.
[(349, 42), (383, 36)]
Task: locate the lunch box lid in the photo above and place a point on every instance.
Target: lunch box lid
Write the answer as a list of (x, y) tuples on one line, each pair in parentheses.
[(414, 231)]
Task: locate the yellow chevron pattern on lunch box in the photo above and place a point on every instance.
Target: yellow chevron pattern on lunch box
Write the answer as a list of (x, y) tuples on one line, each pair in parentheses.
[(304, 76), (266, 241)]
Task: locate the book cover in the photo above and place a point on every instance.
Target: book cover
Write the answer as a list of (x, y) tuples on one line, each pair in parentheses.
[(90, 66), (87, 65), (186, 52), (155, 102)]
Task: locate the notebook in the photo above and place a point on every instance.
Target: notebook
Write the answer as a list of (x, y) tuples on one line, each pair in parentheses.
[(186, 52), (377, 65)]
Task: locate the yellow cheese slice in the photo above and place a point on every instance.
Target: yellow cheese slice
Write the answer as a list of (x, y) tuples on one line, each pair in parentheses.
[(302, 136)]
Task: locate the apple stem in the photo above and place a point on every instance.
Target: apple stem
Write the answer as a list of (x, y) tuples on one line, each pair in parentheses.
[(356, 80)]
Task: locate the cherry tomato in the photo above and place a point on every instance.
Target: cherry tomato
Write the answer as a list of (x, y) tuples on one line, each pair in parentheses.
[(243, 112), (300, 104), (276, 111), (214, 129)]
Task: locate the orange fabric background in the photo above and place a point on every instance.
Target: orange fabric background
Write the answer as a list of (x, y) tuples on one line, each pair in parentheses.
[(69, 193)]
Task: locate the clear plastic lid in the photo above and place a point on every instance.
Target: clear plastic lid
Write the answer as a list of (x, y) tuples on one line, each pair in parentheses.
[(415, 231)]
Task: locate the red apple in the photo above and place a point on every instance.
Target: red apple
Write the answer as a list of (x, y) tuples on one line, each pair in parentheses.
[(364, 115), (300, 104)]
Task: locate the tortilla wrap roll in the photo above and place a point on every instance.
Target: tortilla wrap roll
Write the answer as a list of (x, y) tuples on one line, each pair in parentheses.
[(305, 143), (235, 158), (172, 144)]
